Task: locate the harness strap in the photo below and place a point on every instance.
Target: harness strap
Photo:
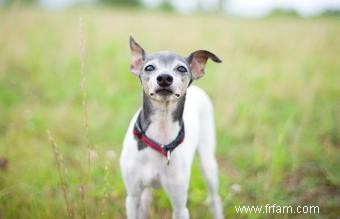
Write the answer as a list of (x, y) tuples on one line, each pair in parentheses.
[(139, 133)]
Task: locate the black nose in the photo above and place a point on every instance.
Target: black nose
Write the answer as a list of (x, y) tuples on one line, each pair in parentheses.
[(164, 80)]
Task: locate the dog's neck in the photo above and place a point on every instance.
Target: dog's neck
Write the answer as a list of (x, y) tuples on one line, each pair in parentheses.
[(162, 119)]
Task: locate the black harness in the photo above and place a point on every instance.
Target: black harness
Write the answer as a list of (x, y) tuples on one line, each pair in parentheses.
[(165, 150)]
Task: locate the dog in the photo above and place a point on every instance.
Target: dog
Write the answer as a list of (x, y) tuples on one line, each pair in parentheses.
[(175, 121)]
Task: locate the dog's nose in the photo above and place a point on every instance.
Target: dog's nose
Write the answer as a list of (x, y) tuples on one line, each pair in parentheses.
[(164, 80)]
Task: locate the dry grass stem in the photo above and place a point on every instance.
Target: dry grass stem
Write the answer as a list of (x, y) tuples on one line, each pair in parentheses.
[(83, 85), (59, 164), (82, 196)]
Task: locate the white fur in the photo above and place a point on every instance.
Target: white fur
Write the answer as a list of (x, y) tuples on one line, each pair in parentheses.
[(147, 168)]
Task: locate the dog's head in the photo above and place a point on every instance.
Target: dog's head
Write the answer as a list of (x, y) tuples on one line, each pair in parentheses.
[(165, 76)]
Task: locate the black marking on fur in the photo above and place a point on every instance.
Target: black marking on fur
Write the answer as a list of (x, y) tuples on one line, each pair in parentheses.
[(177, 114), (147, 110), (140, 144)]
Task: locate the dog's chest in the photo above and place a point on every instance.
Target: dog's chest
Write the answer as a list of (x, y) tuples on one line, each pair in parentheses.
[(163, 130)]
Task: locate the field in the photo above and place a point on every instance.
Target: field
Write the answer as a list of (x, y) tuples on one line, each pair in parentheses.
[(276, 97)]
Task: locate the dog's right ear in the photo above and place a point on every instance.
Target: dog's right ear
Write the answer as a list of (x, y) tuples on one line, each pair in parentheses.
[(137, 56)]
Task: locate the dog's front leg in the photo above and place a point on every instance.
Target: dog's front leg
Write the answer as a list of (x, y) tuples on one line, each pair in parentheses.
[(177, 190), (132, 204), (144, 205), (132, 201)]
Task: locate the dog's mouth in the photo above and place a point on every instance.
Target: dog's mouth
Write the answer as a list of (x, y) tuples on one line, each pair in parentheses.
[(164, 92)]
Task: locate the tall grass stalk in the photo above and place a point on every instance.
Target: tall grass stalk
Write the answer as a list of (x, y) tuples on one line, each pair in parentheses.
[(61, 172), (104, 202), (82, 197), (83, 86)]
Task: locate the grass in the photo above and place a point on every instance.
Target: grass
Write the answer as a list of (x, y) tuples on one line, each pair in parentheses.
[(276, 98)]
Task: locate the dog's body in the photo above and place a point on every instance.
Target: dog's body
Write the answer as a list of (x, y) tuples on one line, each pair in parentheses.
[(161, 118)]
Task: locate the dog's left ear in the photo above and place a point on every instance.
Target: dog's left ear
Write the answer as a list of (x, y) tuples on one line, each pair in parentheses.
[(197, 61), (137, 56)]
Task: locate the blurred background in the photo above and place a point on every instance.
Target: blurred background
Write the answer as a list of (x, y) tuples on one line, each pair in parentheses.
[(64, 67)]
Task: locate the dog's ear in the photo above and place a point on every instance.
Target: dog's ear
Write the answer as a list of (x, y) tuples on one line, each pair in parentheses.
[(137, 56), (197, 61)]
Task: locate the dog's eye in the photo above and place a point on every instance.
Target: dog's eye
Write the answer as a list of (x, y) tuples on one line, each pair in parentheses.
[(181, 69), (149, 68)]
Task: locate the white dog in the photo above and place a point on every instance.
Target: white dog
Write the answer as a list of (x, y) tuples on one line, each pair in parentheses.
[(175, 121)]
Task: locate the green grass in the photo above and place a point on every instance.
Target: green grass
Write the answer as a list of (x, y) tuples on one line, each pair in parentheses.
[(276, 98)]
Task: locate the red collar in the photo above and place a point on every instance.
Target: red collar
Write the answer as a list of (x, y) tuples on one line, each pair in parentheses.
[(165, 150)]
